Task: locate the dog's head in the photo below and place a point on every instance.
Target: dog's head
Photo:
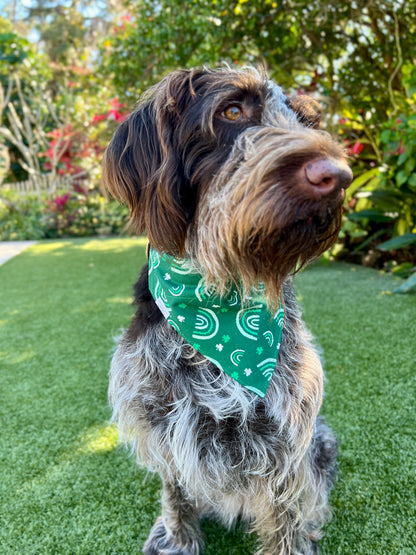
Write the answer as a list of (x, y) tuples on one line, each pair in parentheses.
[(223, 167)]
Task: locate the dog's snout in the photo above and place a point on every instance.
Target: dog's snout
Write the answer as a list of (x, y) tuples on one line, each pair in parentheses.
[(326, 175)]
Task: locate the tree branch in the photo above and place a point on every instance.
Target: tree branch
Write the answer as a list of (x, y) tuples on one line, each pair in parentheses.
[(398, 66)]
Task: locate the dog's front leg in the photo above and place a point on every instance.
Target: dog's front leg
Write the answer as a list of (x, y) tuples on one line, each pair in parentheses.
[(295, 525), (177, 531), (280, 534)]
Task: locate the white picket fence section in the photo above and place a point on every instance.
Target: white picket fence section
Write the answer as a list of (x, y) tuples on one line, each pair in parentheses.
[(46, 182)]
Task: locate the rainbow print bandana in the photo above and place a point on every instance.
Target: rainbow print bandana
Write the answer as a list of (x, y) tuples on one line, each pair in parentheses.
[(241, 338)]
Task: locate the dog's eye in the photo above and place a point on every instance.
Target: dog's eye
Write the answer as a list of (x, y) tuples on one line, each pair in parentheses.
[(233, 112)]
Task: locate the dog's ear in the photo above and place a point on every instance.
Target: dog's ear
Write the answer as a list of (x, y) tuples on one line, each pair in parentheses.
[(142, 168), (307, 109)]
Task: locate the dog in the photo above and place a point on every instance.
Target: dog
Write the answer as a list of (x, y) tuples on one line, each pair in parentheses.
[(236, 188)]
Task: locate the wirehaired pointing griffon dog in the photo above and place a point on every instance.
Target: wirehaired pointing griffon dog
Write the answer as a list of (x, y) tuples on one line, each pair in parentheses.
[(216, 382)]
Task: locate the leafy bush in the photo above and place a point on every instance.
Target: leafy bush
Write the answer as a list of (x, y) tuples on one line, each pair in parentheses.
[(20, 217), (380, 224), (388, 192), (72, 214)]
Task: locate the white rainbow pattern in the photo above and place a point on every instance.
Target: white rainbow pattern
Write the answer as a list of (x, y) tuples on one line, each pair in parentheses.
[(280, 317), (182, 267), (206, 325), (236, 356), (268, 336), (177, 290), (202, 292), (248, 321), (266, 367)]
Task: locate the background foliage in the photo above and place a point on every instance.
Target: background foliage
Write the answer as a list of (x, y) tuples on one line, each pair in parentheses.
[(73, 214), (92, 60)]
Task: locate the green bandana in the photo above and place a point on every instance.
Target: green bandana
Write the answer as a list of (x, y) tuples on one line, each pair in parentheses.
[(242, 339)]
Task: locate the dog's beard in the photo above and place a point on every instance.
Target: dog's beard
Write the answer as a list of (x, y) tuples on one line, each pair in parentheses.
[(255, 222)]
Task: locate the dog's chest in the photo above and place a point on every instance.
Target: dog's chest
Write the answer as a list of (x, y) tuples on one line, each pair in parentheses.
[(190, 407)]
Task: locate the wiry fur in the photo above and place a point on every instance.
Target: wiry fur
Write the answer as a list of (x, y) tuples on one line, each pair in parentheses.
[(253, 210), (232, 452), (233, 198)]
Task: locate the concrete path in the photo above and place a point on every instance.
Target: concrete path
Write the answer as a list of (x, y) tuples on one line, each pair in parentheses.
[(8, 249)]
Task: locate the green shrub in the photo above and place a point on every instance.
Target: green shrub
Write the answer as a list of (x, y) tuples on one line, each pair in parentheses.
[(20, 217), (72, 214), (380, 224), (387, 193), (83, 214)]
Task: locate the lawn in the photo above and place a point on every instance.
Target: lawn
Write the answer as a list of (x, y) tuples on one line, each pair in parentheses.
[(66, 487)]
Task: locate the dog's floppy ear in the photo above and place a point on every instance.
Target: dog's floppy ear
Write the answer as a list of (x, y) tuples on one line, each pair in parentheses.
[(142, 170), (307, 109)]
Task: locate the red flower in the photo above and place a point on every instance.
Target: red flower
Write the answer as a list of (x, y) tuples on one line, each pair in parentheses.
[(62, 200), (98, 118), (114, 113), (357, 148), (400, 149)]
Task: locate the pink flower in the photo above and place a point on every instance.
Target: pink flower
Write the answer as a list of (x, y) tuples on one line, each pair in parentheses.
[(62, 200)]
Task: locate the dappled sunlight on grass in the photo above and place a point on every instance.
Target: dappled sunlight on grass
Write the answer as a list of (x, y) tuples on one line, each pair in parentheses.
[(65, 472), (100, 440), (113, 245), (21, 357), (60, 247), (117, 300), (46, 247)]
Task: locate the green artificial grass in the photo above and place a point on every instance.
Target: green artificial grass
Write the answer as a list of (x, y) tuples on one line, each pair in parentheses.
[(66, 487)]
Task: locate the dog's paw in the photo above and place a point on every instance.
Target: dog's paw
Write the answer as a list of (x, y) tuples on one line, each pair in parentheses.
[(160, 542)]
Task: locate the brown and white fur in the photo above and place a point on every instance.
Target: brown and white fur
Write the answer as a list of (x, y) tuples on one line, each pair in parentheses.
[(222, 168)]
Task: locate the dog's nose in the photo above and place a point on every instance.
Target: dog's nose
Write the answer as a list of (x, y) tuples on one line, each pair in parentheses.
[(326, 175)]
